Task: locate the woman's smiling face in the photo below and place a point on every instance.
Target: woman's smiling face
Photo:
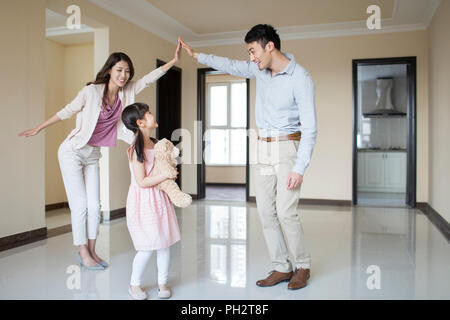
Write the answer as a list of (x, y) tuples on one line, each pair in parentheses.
[(120, 73)]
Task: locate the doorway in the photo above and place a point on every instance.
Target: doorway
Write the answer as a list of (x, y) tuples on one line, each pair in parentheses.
[(70, 64), (168, 97), (222, 139), (384, 132)]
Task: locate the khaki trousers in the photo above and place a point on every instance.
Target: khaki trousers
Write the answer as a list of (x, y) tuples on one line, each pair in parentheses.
[(277, 206)]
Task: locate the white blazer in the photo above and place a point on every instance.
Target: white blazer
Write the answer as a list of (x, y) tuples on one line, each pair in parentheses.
[(88, 102)]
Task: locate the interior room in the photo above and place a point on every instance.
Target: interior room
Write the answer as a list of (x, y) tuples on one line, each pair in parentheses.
[(367, 91)]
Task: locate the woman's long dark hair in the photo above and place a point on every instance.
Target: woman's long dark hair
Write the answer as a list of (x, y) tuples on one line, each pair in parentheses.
[(130, 115), (103, 75)]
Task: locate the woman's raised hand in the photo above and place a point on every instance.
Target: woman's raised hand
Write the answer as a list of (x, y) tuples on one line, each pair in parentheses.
[(186, 47), (30, 132), (178, 50)]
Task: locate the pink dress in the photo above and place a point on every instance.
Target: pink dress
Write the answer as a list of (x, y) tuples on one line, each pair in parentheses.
[(151, 218)]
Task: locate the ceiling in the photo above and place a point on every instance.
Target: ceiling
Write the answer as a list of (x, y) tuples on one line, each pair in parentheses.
[(214, 16), (223, 22)]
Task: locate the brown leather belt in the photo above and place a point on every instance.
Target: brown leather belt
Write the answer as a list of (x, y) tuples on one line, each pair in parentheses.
[(292, 136)]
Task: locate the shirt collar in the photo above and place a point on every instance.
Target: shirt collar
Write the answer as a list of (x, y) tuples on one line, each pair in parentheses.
[(291, 66)]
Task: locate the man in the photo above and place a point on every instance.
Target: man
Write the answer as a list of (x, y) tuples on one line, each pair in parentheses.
[(286, 121)]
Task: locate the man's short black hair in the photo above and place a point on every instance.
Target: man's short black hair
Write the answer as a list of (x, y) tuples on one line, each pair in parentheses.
[(263, 33)]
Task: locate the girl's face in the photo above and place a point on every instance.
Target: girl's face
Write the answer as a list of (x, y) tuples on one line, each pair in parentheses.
[(120, 73), (149, 121)]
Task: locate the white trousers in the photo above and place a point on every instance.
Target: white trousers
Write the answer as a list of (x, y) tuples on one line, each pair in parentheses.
[(140, 261), (81, 176)]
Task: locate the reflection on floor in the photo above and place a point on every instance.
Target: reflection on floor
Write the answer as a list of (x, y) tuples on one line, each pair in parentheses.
[(228, 193), (357, 253), (382, 199)]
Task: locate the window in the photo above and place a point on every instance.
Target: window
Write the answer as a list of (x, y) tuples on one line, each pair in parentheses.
[(226, 135)]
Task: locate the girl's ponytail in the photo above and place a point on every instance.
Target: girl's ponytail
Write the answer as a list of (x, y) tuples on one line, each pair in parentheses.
[(139, 146), (130, 115)]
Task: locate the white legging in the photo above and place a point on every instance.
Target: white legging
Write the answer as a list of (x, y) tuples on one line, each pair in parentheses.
[(141, 260)]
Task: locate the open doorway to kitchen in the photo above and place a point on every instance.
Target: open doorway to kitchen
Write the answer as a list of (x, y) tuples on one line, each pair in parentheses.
[(384, 132), (223, 110)]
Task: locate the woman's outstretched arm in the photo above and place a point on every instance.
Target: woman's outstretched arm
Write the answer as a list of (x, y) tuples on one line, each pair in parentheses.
[(68, 111), (34, 131)]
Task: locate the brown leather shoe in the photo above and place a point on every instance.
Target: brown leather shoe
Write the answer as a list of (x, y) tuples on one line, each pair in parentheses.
[(299, 279), (274, 278)]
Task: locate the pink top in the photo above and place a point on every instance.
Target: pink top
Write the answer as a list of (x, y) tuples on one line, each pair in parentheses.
[(151, 217), (105, 132)]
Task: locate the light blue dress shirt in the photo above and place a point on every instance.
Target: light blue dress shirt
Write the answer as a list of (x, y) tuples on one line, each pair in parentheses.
[(285, 102)]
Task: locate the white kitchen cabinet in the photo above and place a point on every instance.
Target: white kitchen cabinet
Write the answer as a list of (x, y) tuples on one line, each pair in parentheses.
[(382, 171)]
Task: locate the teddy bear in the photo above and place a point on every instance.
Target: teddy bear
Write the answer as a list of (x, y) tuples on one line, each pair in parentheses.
[(165, 162)]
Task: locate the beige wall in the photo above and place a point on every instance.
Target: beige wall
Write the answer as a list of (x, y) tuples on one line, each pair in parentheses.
[(68, 68), (439, 155), (22, 90), (225, 174), (329, 60)]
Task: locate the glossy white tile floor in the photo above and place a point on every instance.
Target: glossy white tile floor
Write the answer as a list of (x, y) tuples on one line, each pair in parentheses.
[(228, 193), (223, 253), (382, 199)]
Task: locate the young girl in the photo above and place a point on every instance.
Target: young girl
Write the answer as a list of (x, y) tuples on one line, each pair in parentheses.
[(151, 218), (98, 107)]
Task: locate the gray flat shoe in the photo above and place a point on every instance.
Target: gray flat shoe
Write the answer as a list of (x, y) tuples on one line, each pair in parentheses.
[(103, 264), (96, 267)]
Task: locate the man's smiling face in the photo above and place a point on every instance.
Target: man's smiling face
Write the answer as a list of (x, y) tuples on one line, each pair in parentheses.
[(258, 55)]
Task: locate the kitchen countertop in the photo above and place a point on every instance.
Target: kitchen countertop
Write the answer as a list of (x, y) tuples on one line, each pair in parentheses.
[(380, 150)]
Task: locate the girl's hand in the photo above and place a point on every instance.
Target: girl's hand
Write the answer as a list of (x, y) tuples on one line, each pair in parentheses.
[(178, 50), (170, 175), (30, 132)]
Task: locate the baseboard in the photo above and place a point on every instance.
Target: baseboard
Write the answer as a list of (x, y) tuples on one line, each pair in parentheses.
[(117, 214), (194, 196), (327, 202), (436, 219), (59, 231), (422, 206), (216, 184), (20, 239), (54, 206)]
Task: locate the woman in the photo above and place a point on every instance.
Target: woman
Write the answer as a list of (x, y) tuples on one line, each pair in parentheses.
[(98, 107)]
